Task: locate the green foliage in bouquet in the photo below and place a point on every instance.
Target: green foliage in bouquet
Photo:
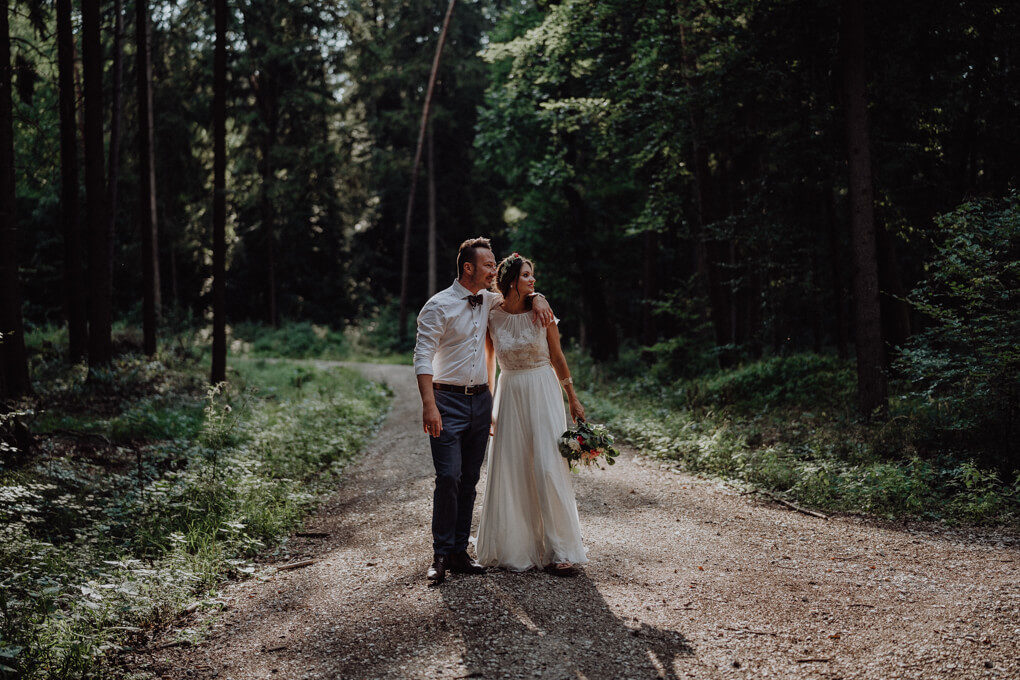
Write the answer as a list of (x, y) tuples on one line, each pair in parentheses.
[(585, 445)]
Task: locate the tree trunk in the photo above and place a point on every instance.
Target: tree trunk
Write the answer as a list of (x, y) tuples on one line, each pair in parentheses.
[(274, 309), (70, 217), (841, 332), (602, 325), (433, 285), (174, 296), (895, 312), (219, 349), (268, 102), (267, 83), (872, 390), (79, 92), (709, 251), (147, 227), (14, 378), (405, 259), (113, 165), (100, 264), (649, 287)]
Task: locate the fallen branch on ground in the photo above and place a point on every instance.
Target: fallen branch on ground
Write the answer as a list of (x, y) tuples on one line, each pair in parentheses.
[(793, 506)]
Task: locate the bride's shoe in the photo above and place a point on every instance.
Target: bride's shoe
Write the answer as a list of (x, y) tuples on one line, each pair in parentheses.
[(561, 569)]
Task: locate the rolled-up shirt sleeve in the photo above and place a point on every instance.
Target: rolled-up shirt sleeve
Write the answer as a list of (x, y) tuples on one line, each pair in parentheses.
[(430, 330)]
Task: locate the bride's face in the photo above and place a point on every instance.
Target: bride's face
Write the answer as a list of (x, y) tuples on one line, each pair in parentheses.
[(525, 280)]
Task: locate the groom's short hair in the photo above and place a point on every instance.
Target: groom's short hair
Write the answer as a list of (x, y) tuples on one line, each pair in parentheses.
[(466, 253)]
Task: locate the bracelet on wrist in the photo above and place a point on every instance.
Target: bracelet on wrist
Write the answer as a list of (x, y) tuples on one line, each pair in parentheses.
[(567, 381)]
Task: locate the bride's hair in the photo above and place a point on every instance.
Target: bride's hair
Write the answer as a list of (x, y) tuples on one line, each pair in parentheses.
[(508, 271)]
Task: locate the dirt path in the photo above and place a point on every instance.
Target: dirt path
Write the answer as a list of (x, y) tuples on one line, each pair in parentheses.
[(687, 580)]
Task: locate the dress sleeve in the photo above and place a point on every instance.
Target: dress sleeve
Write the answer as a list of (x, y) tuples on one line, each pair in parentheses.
[(431, 323)]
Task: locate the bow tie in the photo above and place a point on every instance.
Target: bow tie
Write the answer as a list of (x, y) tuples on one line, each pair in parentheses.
[(474, 300)]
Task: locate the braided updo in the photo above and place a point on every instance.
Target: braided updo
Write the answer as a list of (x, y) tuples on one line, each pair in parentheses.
[(508, 271)]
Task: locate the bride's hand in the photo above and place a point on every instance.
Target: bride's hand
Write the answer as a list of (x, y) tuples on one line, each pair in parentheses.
[(576, 410)]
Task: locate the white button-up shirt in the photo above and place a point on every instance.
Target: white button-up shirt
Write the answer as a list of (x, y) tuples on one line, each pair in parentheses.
[(450, 344)]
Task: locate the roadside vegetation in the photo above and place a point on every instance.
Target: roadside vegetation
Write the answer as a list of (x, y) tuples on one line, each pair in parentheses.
[(945, 448), (788, 426), (145, 488)]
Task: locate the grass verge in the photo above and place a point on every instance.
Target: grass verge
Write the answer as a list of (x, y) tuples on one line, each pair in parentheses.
[(147, 489)]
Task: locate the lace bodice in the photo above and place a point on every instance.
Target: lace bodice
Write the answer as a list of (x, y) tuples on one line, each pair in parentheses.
[(520, 343)]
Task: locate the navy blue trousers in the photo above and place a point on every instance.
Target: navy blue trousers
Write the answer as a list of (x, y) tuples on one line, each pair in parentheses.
[(457, 454)]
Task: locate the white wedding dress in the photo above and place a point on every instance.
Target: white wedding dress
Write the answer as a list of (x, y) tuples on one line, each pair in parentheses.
[(529, 516)]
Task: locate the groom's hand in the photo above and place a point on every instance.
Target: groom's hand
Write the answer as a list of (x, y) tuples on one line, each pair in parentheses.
[(431, 420), (541, 312)]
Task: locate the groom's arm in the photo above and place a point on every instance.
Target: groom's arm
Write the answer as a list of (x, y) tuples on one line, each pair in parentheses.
[(490, 362), (430, 330), (430, 418), (541, 312)]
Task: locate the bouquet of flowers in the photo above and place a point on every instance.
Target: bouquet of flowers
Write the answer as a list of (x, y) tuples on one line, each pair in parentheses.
[(586, 445)]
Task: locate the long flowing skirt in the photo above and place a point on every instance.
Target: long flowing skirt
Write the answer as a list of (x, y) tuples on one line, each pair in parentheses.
[(529, 515)]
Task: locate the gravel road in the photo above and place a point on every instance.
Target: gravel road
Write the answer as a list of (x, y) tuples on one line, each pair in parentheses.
[(687, 579)]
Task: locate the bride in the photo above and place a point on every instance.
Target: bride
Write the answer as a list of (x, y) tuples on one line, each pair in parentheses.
[(529, 516)]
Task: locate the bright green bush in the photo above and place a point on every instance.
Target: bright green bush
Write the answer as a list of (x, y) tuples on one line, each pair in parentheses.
[(297, 340)]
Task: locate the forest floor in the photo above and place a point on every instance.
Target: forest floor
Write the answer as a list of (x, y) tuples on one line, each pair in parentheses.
[(687, 579)]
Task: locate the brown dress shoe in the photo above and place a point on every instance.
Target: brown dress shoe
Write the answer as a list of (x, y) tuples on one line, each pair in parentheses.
[(437, 572), (461, 563)]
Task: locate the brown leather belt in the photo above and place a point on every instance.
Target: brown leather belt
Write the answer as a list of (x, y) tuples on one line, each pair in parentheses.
[(461, 389)]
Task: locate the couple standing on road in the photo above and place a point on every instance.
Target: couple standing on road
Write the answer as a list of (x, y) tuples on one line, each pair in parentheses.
[(529, 516)]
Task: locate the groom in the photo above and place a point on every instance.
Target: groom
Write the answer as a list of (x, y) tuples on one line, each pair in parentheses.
[(453, 367)]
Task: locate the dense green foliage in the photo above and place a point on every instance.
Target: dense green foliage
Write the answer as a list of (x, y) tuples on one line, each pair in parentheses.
[(965, 366), (149, 489), (703, 143), (786, 425), (323, 105), (677, 172)]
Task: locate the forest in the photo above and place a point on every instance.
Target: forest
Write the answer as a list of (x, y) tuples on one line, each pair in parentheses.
[(783, 238)]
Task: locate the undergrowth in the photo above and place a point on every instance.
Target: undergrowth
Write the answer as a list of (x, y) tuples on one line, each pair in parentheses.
[(787, 425), (147, 489)]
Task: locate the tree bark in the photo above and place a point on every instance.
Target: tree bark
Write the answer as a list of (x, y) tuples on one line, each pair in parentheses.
[(70, 215), (100, 264), (14, 378), (219, 349), (267, 84), (147, 226), (709, 251), (872, 389), (649, 287), (895, 312), (405, 259), (841, 331), (602, 325), (433, 285), (266, 94), (116, 110)]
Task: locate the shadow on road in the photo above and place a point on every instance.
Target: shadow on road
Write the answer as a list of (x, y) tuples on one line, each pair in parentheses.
[(543, 626)]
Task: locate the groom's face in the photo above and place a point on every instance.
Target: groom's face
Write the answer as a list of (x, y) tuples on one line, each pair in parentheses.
[(483, 269)]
